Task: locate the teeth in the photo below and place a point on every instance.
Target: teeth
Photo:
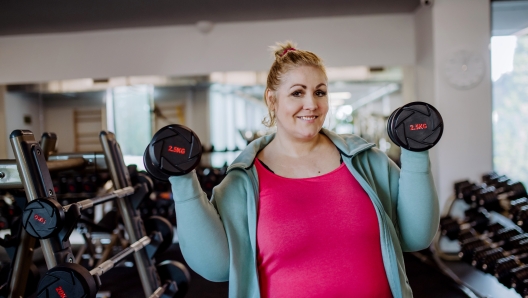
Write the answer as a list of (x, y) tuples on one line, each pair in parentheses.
[(308, 117)]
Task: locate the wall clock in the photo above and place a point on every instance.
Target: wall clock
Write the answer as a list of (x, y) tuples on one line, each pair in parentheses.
[(464, 69)]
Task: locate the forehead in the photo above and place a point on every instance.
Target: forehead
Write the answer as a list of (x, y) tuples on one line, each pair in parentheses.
[(306, 75)]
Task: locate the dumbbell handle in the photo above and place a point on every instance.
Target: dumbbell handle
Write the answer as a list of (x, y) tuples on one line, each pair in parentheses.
[(110, 263), (158, 293), (88, 203)]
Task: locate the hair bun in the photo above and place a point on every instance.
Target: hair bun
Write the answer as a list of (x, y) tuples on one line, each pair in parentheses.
[(281, 49)]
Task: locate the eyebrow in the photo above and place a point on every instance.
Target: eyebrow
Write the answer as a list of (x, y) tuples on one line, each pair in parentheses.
[(304, 87)]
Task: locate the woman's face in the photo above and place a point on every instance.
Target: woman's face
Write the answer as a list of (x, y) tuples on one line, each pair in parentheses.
[(301, 102)]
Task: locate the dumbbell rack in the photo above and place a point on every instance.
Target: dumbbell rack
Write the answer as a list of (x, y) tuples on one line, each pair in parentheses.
[(36, 180), (29, 170), (483, 284), (128, 210)]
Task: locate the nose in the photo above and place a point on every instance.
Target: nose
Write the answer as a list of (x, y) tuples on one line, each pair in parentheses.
[(310, 102)]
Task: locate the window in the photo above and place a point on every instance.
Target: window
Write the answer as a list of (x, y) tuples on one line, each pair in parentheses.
[(509, 57), (234, 110), (130, 118)]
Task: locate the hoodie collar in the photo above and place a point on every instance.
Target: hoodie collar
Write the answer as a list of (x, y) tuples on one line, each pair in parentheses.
[(348, 145)]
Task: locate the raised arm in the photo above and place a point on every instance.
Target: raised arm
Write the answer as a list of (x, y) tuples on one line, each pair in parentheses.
[(417, 202), (201, 234)]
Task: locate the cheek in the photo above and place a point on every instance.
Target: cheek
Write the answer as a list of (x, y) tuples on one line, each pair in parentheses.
[(288, 109), (324, 107)]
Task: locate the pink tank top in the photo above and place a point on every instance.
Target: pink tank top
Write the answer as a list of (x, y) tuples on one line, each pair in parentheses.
[(318, 237)]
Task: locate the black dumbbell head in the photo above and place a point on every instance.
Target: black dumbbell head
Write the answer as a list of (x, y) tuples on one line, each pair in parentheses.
[(175, 271), (174, 150), (43, 218), (416, 126), (389, 125), (162, 225), (67, 280)]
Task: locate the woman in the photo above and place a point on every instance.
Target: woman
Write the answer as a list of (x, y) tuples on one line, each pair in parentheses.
[(305, 212)]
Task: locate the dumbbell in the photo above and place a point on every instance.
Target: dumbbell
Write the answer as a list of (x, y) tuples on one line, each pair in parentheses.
[(45, 218), (509, 191), (416, 126), (515, 208), (515, 245), (173, 271), (519, 278), (474, 248), (73, 280), (459, 186), (468, 192), (173, 151), (477, 220), (162, 225)]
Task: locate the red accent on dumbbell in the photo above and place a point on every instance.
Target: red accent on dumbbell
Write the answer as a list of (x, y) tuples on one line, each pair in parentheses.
[(61, 292), (176, 149), (418, 126), (39, 219)]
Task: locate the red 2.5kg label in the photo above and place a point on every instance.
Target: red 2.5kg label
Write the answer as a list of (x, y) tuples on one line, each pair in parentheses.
[(175, 149), (418, 126)]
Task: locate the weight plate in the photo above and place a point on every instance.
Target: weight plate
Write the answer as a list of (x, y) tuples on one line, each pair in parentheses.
[(152, 169), (144, 178), (175, 271), (67, 280), (174, 150), (162, 225), (43, 218), (389, 131), (416, 126)]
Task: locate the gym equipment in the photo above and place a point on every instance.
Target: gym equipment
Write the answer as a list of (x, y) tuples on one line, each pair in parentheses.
[(33, 175), (468, 192), (44, 218), (515, 245), (515, 208), (416, 126), (518, 278), (477, 220), (30, 171), (176, 272), (128, 210), (492, 198), (162, 225), (73, 280), (174, 150), (474, 248)]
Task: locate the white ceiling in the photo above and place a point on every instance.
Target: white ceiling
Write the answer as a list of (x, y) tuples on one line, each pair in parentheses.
[(45, 16)]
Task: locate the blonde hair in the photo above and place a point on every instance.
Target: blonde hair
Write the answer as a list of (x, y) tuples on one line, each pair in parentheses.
[(287, 57)]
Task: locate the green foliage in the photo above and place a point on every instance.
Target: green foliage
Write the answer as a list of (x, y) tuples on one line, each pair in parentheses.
[(510, 123)]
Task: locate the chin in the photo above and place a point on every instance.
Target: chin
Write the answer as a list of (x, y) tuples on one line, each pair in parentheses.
[(307, 133)]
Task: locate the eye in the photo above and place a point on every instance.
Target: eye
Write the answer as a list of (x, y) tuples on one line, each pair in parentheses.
[(320, 93), (297, 93)]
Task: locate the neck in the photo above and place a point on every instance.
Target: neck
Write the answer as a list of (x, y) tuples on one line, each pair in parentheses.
[(295, 147)]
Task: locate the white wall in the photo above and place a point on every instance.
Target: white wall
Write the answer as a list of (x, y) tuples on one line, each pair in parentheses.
[(3, 133), (183, 50), (18, 105), (59, 115), (465, 150)]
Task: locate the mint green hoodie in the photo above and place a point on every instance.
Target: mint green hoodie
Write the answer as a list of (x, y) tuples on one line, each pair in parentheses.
[(218, 237)]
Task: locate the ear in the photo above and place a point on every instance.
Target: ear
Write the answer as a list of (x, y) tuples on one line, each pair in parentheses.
[(270, 99)]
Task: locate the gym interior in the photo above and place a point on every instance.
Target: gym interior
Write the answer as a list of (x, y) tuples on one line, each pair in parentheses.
[(86, 85)]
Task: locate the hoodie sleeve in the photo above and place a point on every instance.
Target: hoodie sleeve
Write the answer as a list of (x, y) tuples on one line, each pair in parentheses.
[(417, 206), (201, 234)]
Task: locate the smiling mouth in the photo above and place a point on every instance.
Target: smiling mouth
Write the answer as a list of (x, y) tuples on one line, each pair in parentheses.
[(307, 117)]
